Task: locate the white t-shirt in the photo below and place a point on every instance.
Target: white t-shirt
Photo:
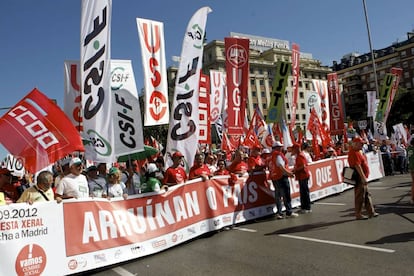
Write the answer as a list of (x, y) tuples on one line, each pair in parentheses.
[(73, 186), (115, 190)]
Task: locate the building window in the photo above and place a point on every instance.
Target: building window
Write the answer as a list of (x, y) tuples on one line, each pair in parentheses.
[(261, 82), (287, 105), (306, 85), (301, 95), (403, 54), (254, 94), (288, 116), (263, 94), (297, 116), (304, 117), (264, 106), (306, 75), (302, 106)]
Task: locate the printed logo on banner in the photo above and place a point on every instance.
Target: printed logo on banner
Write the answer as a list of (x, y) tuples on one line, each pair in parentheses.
[(118, 78), (31, 260), (237, 55), (157, 105), (100, 258), (138, 249), (118, 254), (159, 244), (80, 263)]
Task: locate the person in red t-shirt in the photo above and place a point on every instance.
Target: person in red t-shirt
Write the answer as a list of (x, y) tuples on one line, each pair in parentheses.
[(221, 168), (176, 173), (255, 161), (358, 162), (199, 169), (301, 172), (238, 166)]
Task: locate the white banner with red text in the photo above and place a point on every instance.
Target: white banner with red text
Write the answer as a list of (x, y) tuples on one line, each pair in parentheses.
[(80, 235)]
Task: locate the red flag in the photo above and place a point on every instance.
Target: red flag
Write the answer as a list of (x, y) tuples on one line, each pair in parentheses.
[(225, 143), (335, 105), (251, 139), (204, 110), (237, 70), (315, 126), (277, 132), (37, 130)]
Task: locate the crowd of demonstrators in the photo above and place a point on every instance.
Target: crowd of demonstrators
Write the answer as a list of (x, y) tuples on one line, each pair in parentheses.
[(280, 164)]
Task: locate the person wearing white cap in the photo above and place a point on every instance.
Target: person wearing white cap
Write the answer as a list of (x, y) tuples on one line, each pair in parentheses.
[(75, 184), (279, 174)]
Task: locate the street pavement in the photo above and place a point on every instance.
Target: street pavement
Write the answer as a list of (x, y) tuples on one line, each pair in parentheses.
[(328, 241)]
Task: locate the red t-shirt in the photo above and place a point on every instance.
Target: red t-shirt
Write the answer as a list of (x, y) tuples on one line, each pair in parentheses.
[(355, 157), (300, 162), (222, 172), (239, 167), (254, 162), (175, 176), (199, 171)]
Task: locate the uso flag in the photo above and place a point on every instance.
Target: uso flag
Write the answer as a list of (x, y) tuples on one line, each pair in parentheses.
[(38, 131)]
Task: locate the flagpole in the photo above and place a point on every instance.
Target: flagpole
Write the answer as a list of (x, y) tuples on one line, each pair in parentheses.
[(370, 47)]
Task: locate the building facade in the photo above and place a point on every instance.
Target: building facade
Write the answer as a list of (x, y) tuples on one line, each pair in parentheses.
[(264, 55), (356, 73)]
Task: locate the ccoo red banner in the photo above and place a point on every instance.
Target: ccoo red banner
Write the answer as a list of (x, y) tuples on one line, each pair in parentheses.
[(37, 130), (237, 70)]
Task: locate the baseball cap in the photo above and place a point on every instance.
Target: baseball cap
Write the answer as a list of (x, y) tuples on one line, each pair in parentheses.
[(177, 154), (5, 171), (277, 144), (113, 170), (92, 168), (266, 151), (151, 168), (75, 161)]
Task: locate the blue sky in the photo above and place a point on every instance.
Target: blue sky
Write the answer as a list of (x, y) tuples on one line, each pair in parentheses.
[(38, 36)]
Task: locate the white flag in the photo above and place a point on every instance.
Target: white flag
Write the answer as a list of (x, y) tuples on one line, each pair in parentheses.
[(151, 37), (95, 49), (183, 130), (126, 113), (217, 87)]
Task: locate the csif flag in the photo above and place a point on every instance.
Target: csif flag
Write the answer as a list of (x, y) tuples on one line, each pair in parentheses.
[(98, 130), (183, 129)]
